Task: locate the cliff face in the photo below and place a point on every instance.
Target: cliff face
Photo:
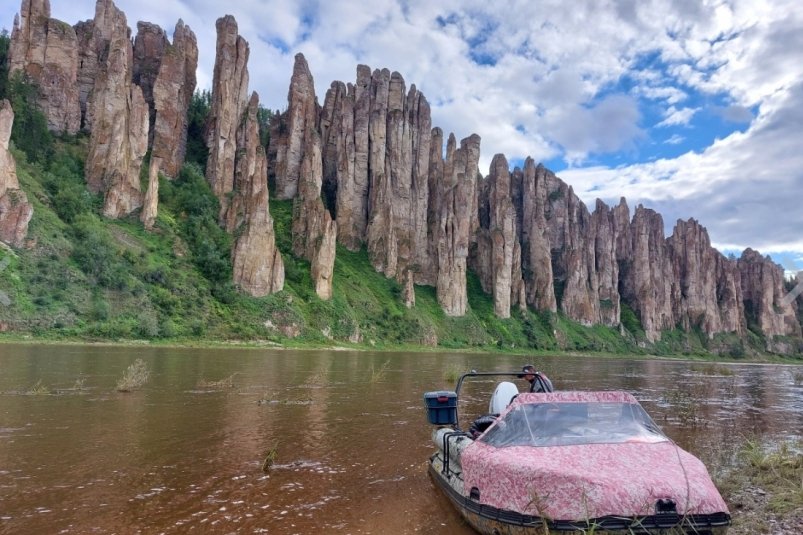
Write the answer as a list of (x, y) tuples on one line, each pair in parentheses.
[(15, 210), (229, 100), (536, 251), (119, 137), (287, 139), (46, 51), (399, 138), (257, 264), (149, 47), (694, 266), (532, 241), (456, 189), (763, 292), (497, 258), (604, 233), (172, 94), (314, 230)]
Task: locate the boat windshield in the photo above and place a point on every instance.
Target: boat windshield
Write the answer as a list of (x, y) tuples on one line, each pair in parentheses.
[(563, 424)]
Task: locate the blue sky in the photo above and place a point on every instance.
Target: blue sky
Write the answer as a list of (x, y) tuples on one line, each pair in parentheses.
[(692, 108)]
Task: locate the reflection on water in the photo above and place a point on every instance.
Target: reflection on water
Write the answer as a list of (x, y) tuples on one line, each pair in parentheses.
[(185, 453)]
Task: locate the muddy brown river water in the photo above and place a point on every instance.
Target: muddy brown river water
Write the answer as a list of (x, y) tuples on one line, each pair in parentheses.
[(183, 455)]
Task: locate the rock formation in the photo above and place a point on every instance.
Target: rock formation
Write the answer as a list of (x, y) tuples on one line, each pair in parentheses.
[(94, 46), (15, 210), (399, 136), (258, 268), (729, 296), (172, 94), (455, 191), (345, 171), (647, 281), (352, 169), (763, 292), (498, 252), (314, 230), (149, 47), (569, 236), (119, 120), (229, 101), (604, 233), (536, 251), (694, 268), (46, 51), (88, 61), (150, 204), (287, 139)]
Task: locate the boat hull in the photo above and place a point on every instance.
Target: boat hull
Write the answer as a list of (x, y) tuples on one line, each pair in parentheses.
[(489, 520)]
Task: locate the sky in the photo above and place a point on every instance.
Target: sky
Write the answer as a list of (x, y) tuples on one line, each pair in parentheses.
[(692, 108)]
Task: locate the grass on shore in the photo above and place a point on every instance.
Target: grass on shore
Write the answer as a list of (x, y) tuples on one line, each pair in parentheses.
[(765, 489)]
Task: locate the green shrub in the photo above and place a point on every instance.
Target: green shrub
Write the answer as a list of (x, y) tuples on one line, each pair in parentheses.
[(5, 42), (197, 114), (96, 253), (29, 133), (192, 200)]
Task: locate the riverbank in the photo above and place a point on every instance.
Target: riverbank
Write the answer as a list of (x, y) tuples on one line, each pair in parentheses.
[(17, 338), (764, 489)]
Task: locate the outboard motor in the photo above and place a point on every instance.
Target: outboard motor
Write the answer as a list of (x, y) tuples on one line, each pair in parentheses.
[(503, 395)]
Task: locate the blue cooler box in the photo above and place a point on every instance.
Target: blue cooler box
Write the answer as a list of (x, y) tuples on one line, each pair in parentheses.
[(441, 407)]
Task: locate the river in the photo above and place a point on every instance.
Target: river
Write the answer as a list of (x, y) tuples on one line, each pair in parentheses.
[(184, 454)]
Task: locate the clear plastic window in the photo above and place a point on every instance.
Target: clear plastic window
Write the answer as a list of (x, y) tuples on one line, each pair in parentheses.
[(563, 424)]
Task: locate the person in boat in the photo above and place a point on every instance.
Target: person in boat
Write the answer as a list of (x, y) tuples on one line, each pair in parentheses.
[(538, 381)]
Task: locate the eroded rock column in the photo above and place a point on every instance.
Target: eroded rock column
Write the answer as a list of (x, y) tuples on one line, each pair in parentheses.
[(46, 51), (229, 100), (456, 191), (314, 230), (288, 138), (172, 94), (119, 122), (258, 268)]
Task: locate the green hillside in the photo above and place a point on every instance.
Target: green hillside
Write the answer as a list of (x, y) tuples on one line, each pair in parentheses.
[(90, 278)]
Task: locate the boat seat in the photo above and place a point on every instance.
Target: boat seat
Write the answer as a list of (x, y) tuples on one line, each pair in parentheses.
[(482, 423)]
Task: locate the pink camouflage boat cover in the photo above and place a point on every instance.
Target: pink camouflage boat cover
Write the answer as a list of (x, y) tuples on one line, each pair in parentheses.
[(583, 455)]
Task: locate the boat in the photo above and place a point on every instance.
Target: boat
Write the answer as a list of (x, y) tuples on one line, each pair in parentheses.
[(568, 462)]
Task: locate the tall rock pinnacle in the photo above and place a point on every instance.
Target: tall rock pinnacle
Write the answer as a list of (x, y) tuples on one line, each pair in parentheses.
[(119, 120), (498, 252), (229, 101), (287, 139), (46, 51), (456, 191), (172, 93), (257, 264), (314, 230)]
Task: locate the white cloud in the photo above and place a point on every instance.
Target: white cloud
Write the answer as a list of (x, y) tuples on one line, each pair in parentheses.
[(674, 116), (676, 139), (747, 188)]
